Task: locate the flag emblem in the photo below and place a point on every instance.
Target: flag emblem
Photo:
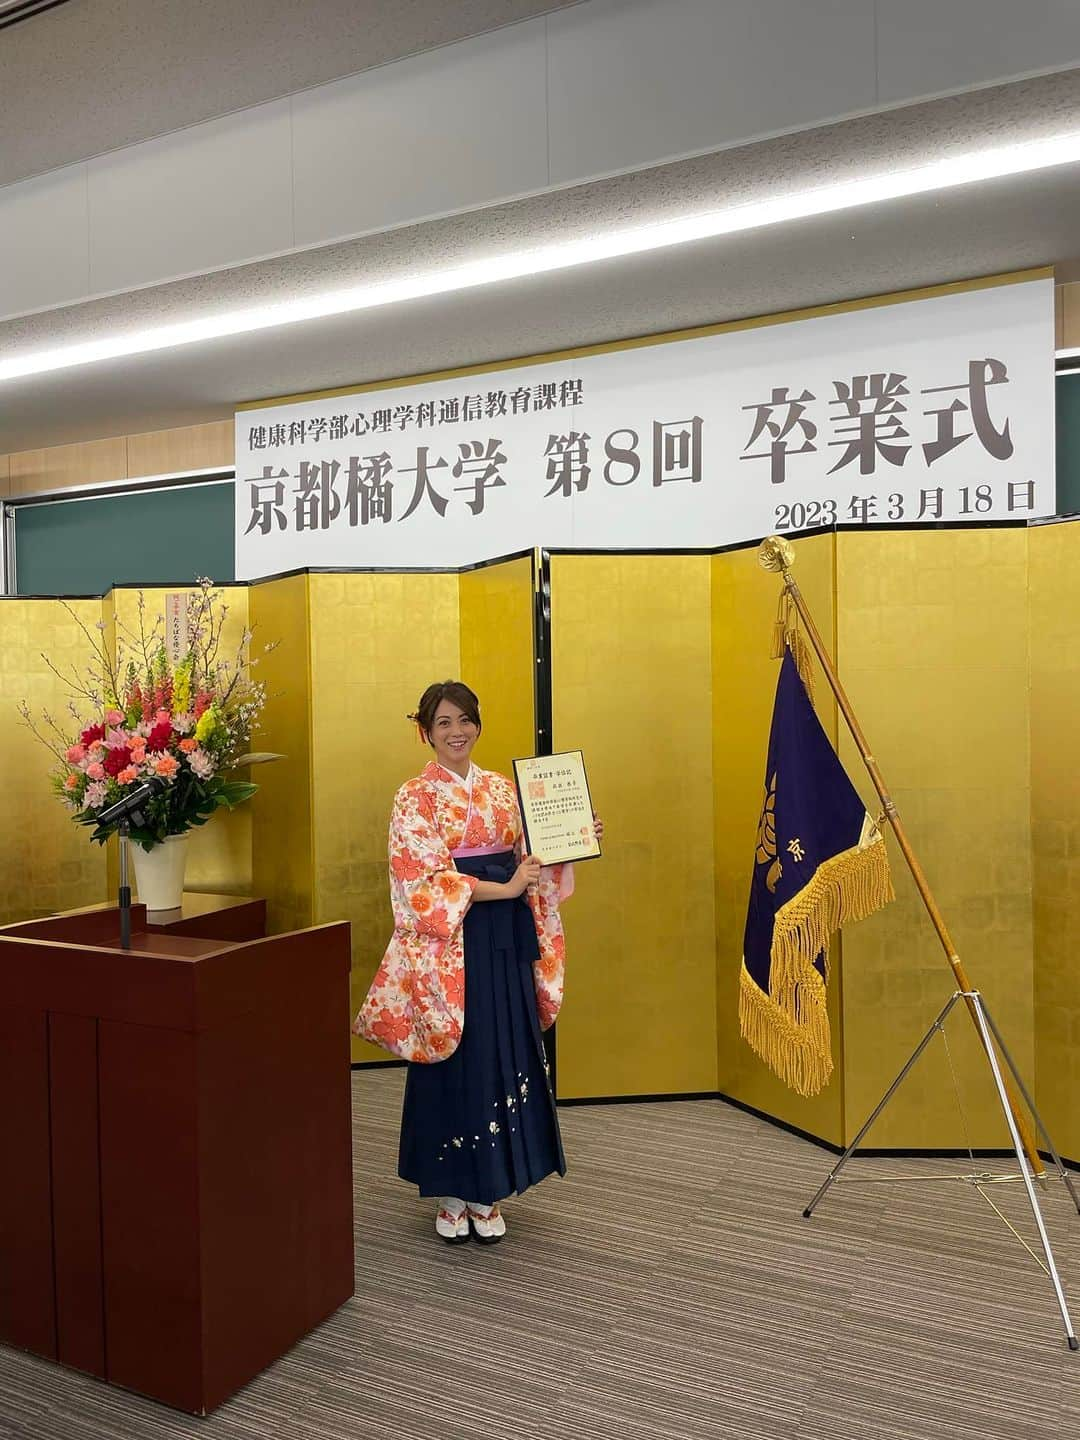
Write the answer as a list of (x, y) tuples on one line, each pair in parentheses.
[(819, 862)]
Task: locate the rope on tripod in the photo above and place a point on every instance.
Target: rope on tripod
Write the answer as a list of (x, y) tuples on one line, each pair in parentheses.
[(975, 1177)]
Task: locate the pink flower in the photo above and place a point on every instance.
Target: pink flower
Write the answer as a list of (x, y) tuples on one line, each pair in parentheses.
[(182, 722), (75, 753), (70, 782), (95, 796), (165, 765), (115, 738), (95, 771), (201, 763), (127, 775), (114, 717), (138, 756), (162, 717), (96, 749)]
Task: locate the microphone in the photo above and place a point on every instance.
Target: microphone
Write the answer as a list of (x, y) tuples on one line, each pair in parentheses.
[(125, 808)]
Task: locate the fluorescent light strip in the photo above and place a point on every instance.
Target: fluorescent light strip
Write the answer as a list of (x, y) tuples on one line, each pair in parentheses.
[(939, 175)]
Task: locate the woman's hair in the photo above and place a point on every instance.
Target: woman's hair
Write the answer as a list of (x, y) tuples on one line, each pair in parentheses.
[(457, 693)]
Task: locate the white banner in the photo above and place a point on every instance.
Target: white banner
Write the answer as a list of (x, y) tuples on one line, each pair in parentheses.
[(176, 626), (919, 411)]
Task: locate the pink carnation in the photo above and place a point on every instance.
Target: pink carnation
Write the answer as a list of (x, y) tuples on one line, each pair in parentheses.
[(114, 717), (127, 775), (166, 765), (95, 771), (75, 753), (96, 748)]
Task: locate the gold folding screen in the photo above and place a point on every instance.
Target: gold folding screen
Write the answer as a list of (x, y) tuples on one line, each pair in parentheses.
[(282, 852), (632, 689), (1054, 603), (46, 863), (376, 642), (958, 652), (932, 644), (744, 601)]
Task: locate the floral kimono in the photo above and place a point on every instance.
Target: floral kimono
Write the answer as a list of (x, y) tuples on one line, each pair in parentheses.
[(416, 1005)]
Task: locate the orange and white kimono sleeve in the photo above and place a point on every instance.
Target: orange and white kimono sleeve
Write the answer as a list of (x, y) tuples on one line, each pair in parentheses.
[(549, 970), (416, 1005)]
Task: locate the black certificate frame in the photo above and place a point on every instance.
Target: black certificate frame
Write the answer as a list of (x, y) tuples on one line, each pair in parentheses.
[(555, 755)]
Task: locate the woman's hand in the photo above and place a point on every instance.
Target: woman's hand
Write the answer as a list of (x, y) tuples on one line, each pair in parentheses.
[(526, 874), (598, 826)]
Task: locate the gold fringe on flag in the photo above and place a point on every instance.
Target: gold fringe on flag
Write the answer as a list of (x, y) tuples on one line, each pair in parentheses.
[(786, 632), (789, 1027)]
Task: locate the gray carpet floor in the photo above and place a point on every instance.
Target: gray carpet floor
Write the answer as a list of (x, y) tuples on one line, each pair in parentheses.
[(667, 1288)]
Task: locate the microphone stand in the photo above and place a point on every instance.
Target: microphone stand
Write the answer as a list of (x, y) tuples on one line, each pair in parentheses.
[(123, 830), (127, 812)]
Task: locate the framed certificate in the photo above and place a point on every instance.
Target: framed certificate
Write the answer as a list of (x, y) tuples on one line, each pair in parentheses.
[(556, 808)]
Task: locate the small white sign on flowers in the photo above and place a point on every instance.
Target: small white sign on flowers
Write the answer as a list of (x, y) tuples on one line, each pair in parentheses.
[(176, 626)]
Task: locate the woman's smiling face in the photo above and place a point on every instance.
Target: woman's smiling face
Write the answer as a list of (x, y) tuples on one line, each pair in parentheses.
[(453, 735)]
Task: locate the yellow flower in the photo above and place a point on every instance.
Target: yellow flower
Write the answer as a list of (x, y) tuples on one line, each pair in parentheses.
[(207, 725), (182, 687)]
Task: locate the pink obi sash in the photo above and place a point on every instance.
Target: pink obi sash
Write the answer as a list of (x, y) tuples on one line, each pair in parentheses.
[(467, 852)]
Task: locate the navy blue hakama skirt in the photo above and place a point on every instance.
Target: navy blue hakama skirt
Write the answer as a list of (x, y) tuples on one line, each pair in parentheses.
[(482, 1125)]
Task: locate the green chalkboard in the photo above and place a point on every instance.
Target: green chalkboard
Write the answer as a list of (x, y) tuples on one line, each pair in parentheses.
[(1068, 444), (169, 536)]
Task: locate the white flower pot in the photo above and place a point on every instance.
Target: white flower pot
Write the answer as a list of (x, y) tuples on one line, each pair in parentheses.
[(159, 873)]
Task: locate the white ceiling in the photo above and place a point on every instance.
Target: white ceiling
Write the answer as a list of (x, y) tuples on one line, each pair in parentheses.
[(94, 75), (977, 230)]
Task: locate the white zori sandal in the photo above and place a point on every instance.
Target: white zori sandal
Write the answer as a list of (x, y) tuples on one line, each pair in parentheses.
[(452, 1220), (489, 1227)]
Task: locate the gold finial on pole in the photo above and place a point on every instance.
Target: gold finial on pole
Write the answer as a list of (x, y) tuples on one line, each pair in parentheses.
[(775, 553)]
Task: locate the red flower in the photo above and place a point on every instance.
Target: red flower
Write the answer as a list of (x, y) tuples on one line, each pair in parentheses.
[(436, 924), (454, 988), (390, 1029), (92, 733), (160, 736), (406, 867), (117, 760)]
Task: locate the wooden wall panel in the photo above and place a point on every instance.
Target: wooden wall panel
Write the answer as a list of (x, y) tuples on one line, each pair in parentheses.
[(93, 462), (1069, 329), (1059, 315), (172, 452), (122, 457)]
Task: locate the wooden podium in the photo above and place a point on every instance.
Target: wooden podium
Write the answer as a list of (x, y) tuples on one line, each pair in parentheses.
[(176, 1203)]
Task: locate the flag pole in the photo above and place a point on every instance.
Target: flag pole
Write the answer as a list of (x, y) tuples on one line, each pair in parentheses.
[(777, 555)]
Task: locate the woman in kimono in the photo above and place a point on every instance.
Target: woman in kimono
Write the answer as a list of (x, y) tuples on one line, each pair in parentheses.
[(472, 975)]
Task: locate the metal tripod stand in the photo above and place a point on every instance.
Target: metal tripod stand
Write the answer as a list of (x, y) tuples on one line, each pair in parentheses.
[(987, 1029)]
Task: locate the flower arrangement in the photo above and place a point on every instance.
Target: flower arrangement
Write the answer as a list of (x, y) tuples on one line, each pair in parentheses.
[(140, 715)]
